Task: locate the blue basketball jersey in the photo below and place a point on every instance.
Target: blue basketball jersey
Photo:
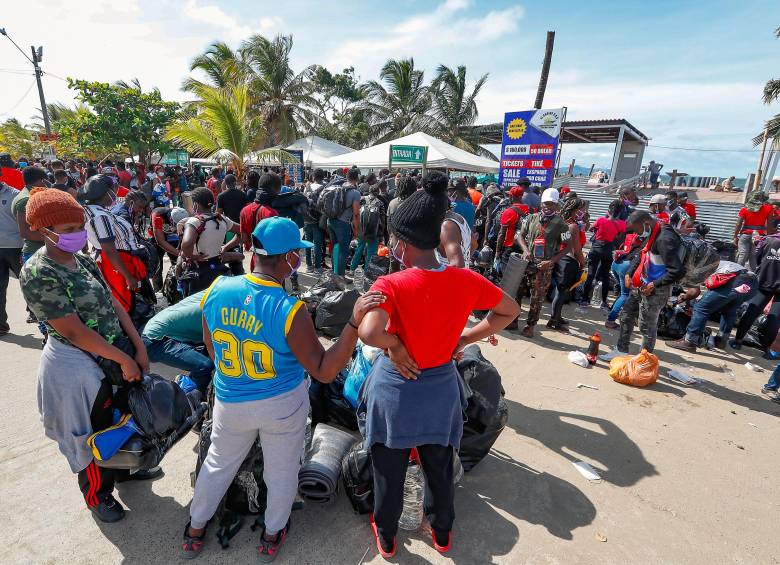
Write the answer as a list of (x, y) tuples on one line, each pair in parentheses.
[(248, 319)]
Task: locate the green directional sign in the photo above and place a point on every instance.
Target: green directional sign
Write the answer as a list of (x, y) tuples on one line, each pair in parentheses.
[(408, 154)]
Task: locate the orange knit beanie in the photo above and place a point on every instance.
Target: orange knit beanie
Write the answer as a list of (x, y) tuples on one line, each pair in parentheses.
[(49, 207)]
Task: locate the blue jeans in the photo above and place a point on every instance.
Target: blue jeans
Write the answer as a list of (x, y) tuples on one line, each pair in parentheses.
[(620, 270), (315, 234), (774, 380), (181, 356), (341, 235), (724, 300), (370, 247)]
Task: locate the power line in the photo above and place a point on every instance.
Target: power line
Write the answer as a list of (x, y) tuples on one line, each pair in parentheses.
[(8, 112), (706, 149), (52, 75)]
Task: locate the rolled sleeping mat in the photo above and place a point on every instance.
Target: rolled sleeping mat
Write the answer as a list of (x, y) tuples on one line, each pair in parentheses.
[(513, 274), (319, 474)]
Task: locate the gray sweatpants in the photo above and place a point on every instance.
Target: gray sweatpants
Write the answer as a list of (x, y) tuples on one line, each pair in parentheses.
[(647, 309), (746, 251), (281, 424)]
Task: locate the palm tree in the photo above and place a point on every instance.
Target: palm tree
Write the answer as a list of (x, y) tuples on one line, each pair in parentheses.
[(220, 63), (454, 110), (399, 106), (225, 129), (771, 93), (285, 100)]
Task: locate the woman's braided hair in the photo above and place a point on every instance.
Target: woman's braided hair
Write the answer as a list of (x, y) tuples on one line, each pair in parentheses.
[(570, 207)]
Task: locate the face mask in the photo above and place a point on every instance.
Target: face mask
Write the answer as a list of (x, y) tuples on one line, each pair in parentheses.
[(393, 251), (113, 201), (580, 215), (627, 202), (294, 270), (70, 242), (646, 233), (548, 212)]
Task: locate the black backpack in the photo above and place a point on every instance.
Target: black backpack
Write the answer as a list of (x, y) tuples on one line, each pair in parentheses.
[(372, 212), (494, 211), (358, 478), (333, 201)]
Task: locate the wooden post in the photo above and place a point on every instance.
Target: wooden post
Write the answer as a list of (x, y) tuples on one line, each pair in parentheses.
[(548, 51), (593, 166), (759, 171), (425, 160), (390, 158), (571, 167)]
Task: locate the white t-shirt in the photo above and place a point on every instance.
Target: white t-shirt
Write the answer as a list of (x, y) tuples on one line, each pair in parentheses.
[(212, 237)]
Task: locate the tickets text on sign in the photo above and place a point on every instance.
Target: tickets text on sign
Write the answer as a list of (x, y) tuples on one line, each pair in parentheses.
[(529, 146)]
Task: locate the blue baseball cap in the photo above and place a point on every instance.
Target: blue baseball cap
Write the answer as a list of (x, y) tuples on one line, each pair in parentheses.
[(277, 236)]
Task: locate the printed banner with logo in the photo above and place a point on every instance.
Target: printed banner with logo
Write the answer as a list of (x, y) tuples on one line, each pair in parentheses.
[(530, 146)]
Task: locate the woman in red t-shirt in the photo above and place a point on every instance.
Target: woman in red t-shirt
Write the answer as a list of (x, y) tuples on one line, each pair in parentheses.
[(413, 398), (751, 224), (607, 230)]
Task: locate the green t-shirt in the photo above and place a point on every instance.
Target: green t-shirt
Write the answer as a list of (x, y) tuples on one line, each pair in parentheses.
[(54, 291), (20, 205), (181, 322), (556, 233)]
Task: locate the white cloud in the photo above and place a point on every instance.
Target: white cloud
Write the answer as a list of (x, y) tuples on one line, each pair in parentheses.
[(425, 35), (216, 17)]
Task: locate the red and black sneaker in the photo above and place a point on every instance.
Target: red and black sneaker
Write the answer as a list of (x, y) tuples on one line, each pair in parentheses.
[(438, 546), (269, 550), (191, 546), (381, 545)]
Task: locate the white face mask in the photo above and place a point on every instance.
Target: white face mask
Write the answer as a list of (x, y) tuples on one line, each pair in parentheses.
[(646, 232), (294, 270)]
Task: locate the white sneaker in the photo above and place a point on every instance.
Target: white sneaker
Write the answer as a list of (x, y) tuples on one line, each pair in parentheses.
[(611, 355)]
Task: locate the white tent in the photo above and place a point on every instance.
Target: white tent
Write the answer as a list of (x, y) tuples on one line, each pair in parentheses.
[(441, 155), (317, 149)]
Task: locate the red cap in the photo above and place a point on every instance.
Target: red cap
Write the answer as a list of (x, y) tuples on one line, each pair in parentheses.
[(516, 191), (565, 190)]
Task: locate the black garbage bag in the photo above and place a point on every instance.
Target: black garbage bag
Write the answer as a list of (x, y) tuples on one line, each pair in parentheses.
[(335, 310), (159, 406), (357, 476), (478, 439), (328, 282), (377, 267), (484, 383), (757, 334), (328, 404), (672, 323)]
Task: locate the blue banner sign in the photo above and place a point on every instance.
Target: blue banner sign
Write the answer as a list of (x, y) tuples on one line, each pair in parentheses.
[(530, 146)]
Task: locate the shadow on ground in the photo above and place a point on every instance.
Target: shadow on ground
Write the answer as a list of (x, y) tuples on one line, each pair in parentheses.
[(576, 436), (499, 484), (27, 341)]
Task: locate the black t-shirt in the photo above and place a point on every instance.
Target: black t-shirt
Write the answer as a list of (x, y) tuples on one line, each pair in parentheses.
[(232, 201)]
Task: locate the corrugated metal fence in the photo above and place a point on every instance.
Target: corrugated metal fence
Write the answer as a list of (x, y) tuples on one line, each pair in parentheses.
[(721, 217)]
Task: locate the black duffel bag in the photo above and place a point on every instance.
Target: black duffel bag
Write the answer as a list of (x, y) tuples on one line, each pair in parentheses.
[(478, 439), (358, 478)]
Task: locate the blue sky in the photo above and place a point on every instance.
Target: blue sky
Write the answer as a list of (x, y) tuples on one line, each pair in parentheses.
[(686, 73)]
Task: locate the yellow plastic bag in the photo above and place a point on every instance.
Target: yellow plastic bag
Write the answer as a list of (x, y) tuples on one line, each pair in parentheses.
[(640, 370)]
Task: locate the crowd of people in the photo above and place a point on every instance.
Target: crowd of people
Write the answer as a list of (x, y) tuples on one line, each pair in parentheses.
[(89, 241)]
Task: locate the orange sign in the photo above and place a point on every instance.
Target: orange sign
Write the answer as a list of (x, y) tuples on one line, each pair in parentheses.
[(48, 136)]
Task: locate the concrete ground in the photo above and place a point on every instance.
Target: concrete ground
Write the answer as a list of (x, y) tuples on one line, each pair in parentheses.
[(688, 473)]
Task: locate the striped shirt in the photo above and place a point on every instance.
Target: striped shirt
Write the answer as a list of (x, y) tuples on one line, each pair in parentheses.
[(104, 226)]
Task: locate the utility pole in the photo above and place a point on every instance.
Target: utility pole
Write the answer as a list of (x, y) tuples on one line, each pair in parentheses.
[(37, 56), (548, 51), (760, 169)]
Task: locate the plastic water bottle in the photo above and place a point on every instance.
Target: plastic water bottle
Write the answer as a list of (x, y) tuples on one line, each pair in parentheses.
[(359, 279), (412, 514)]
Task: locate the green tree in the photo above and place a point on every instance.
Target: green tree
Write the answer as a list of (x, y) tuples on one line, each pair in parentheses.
[(19, 140), (771, 94), (454, 110), (226, 129), (121, 118), (400, 105), (341, 117)]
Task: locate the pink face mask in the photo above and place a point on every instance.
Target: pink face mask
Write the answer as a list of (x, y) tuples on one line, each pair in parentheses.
[(70, 242)]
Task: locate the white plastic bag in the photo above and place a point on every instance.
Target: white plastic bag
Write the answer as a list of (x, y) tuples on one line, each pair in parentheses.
[(578, 358)]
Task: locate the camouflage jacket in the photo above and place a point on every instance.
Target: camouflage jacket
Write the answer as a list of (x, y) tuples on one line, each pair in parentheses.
[(53, 291)]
